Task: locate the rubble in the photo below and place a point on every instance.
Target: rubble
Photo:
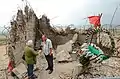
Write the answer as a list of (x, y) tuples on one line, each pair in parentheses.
[(74, 38), (20, 71), (76, 71), (67, 46), (64, 50), (107, 69), (27, 26), (104, 40), (117, 45), (63, 56)]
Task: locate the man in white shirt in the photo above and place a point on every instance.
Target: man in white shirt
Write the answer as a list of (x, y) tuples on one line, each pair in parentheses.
[(47, 50)]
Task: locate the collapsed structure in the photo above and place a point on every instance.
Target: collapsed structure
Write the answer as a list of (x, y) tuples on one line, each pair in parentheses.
[(27, 26)]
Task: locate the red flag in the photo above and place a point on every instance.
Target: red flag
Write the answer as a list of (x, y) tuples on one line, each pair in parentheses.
[(95, 20)]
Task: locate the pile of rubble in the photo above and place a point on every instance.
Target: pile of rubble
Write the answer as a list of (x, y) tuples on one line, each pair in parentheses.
[(107, 69), (65, 42), (27, 26), (64, 50)]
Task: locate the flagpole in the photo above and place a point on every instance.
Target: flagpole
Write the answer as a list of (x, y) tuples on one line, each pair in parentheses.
[(113, 17), (99, 28)]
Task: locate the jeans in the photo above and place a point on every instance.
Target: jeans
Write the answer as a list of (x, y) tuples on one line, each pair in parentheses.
[(30, 71), (49, 61)]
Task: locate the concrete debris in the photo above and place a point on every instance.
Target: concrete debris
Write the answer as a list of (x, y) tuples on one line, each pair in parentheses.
[(29, 26), (117, 45), (75, 38), (65, 76), (67, 47), (104, 39), (63, 56), (74, 52), (108, 68), (20, 70), (76, 71)]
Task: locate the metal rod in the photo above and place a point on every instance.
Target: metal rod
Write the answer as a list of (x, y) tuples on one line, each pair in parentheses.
[(113, 17)]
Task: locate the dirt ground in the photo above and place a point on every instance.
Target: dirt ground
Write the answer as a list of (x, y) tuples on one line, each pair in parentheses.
[(3, 56), (61, 70), (3, 61)]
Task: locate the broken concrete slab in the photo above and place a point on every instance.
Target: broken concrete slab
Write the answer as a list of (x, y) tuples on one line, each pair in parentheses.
[(63, 56), (75, 38), (67, 47), (76, 71), (20, 70)]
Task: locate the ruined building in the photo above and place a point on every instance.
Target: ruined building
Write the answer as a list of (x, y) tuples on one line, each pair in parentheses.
[(27, 26)]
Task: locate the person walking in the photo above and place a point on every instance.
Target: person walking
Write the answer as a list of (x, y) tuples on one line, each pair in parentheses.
[(47, 50), (30, 58)]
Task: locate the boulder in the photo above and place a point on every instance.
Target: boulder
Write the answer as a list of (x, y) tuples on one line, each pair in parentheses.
[(63, 56), (75, 38), (76, 71), (67, 47)]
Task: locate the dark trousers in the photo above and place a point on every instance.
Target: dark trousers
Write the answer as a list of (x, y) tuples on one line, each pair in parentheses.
[(30, 71), (49, 59)]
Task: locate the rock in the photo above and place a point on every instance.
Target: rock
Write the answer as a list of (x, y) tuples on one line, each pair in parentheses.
[(117, 45), (20, 70), (75, 38), (67, 47), (76, 71), (104, 39), (63, 56), (74, 52)]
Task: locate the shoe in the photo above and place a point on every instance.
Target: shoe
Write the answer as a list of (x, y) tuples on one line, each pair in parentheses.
[(47, 69), (35, 76), (50, 71)]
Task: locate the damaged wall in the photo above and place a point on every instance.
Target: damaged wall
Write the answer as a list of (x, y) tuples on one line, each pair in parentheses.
[(22, 29), (27, 26)]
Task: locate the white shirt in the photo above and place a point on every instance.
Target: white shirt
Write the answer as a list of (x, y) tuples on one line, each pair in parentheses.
[(46, 46)]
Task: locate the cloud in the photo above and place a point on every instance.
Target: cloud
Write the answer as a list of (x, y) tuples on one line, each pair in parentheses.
[(67, 11)]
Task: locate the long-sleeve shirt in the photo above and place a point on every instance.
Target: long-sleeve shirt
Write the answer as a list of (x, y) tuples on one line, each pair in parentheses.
[(30, 55)]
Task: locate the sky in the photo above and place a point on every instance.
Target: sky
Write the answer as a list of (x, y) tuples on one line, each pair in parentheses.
[(63, 12)]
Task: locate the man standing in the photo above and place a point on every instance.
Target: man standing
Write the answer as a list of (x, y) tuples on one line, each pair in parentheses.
[(47, 50)]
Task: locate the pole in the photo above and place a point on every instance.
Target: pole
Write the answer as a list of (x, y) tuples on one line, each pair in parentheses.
[(113, 17), (99, 28)]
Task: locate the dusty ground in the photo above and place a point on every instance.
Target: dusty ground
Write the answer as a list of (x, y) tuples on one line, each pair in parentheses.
[(3, 61), (61, 70)]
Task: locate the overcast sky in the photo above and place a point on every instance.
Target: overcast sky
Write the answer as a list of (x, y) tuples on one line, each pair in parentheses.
[(65, 11)]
